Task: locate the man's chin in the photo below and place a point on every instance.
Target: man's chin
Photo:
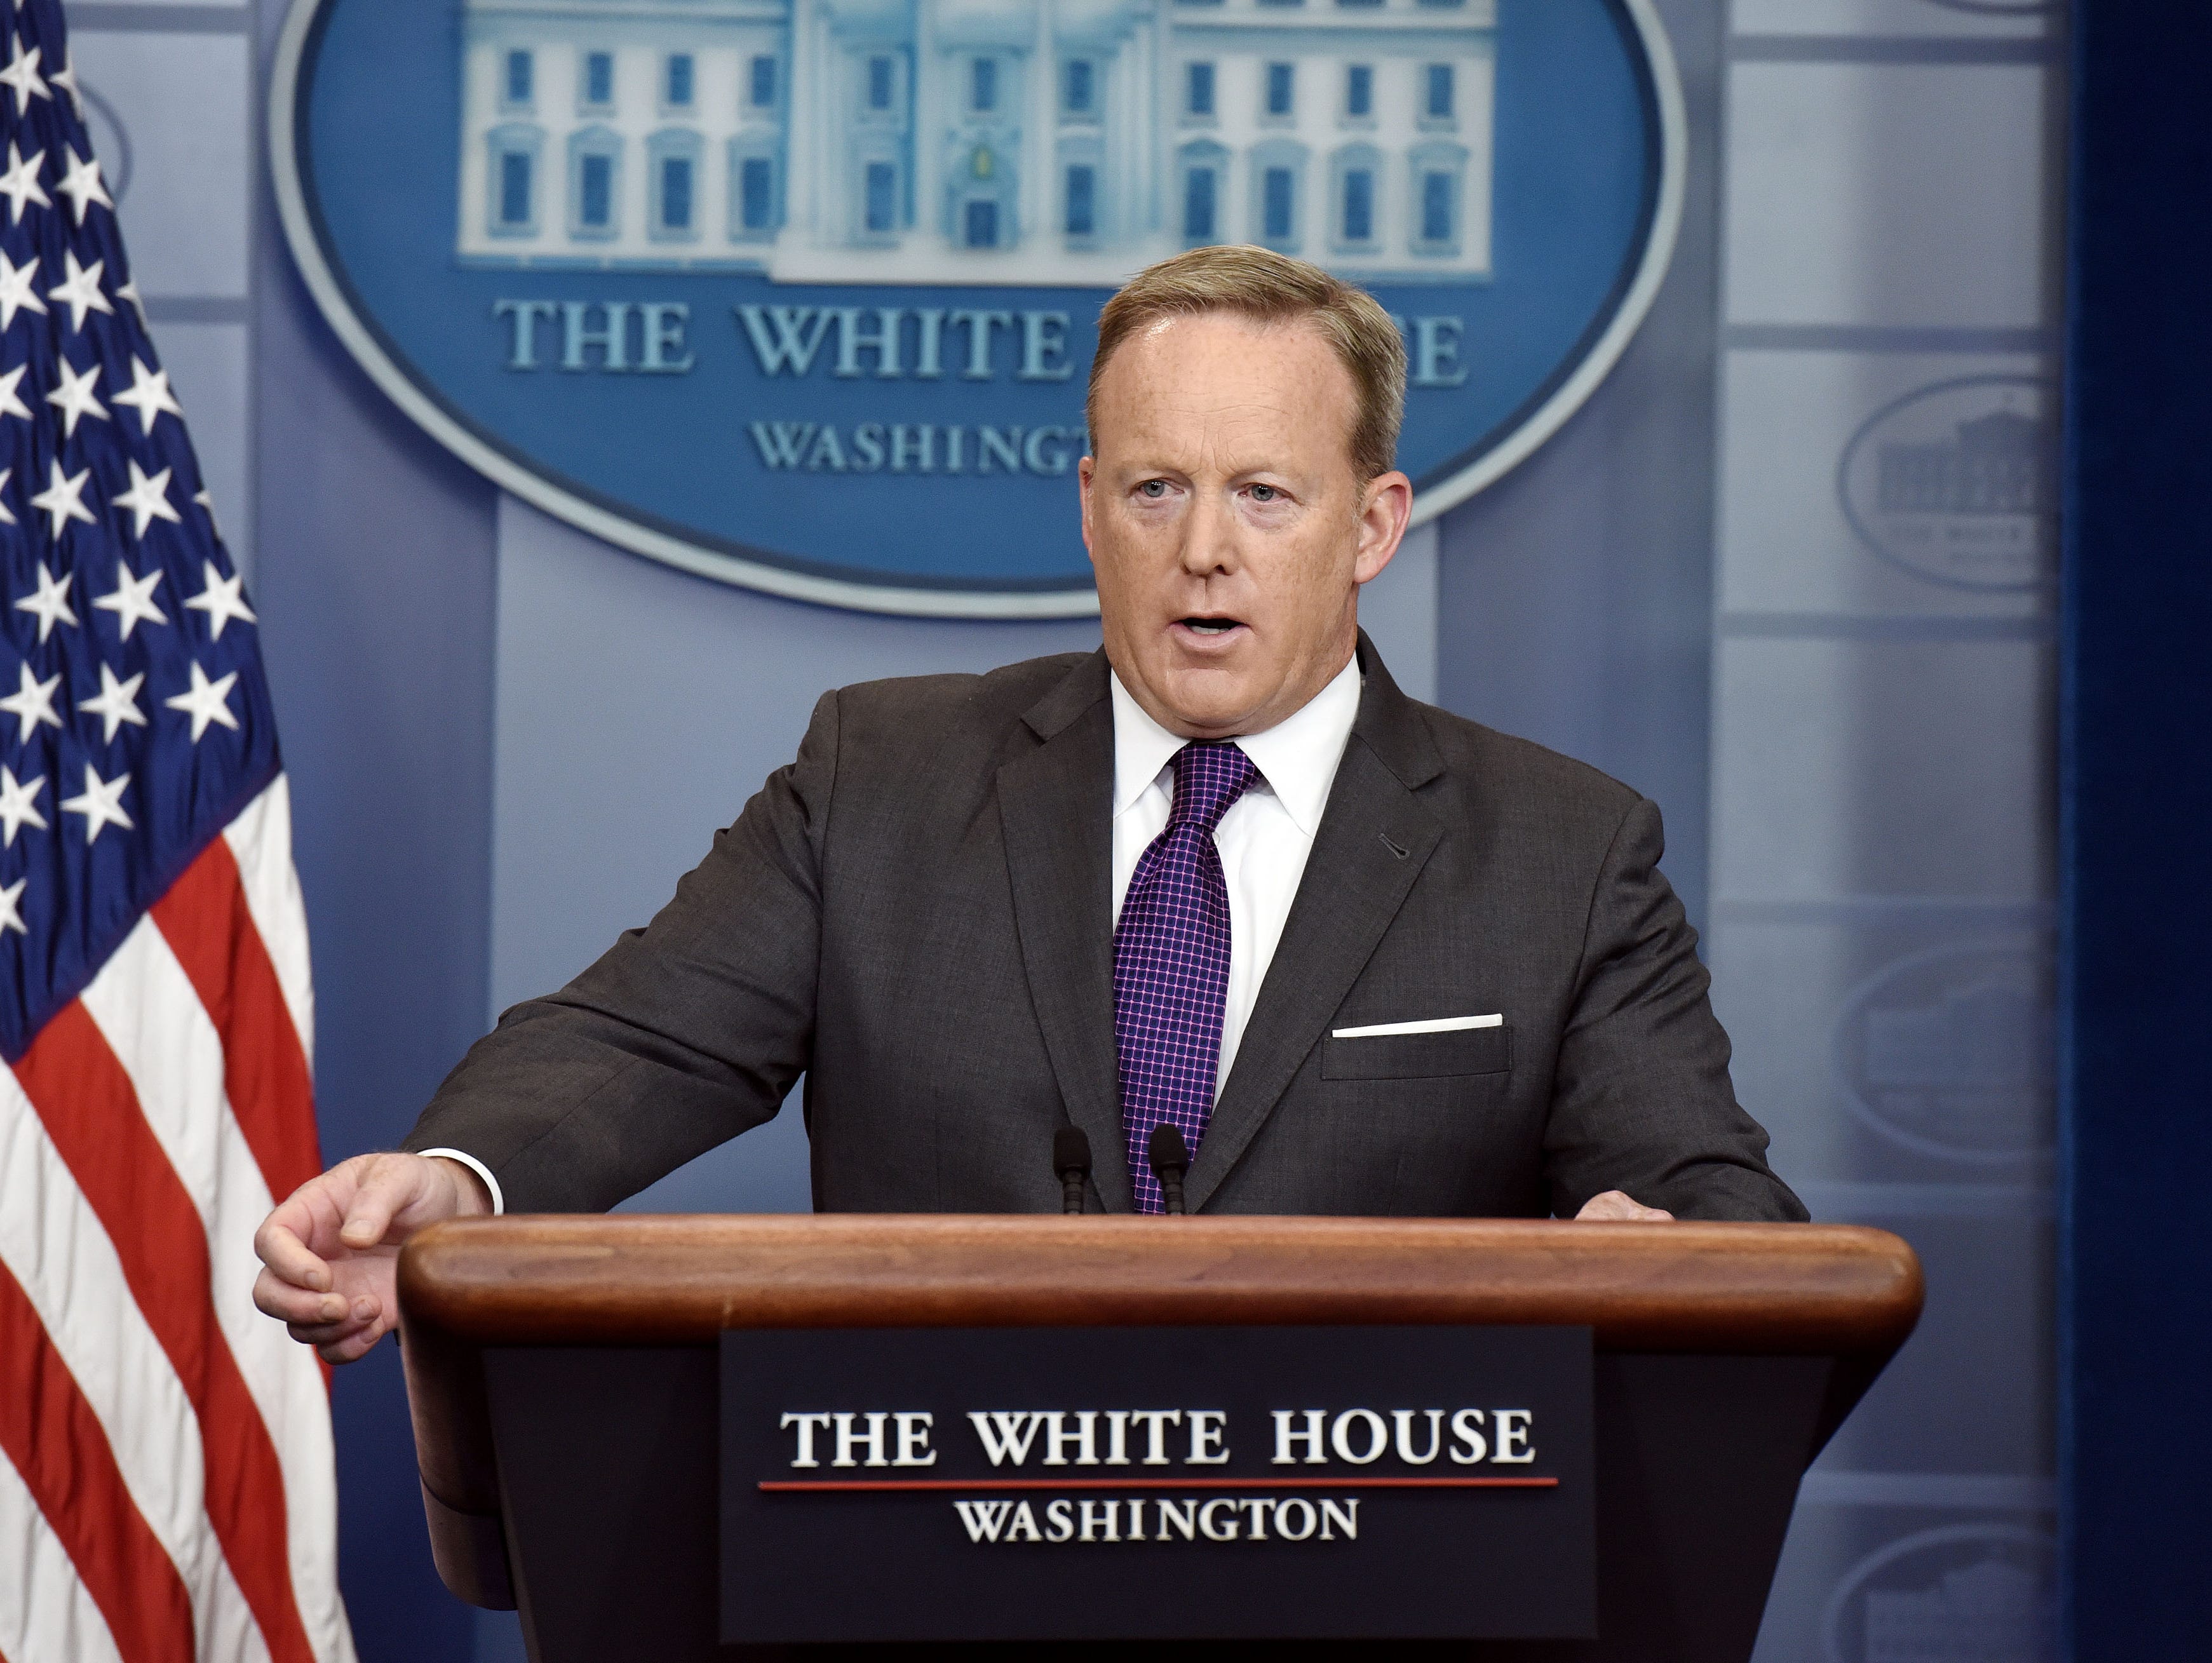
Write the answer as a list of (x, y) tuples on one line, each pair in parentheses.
[(1211, 702)]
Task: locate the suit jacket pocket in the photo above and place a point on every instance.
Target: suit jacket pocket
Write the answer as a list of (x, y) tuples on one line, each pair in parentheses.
[(1418, 1056)]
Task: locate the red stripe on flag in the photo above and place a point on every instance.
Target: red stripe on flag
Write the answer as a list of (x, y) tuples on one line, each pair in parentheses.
[(91, 1111), (50, 1432), (206, 922)]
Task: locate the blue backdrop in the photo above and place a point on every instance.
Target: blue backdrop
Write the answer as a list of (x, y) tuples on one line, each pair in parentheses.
[(506, 740)]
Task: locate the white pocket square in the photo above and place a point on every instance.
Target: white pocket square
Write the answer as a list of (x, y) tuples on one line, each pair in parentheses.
[(1434, 1025)]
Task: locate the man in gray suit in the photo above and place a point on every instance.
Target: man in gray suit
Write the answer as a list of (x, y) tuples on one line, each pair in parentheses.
[(1366, 957)]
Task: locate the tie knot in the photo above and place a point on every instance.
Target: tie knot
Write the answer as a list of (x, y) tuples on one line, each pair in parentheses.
[(1210, 775)]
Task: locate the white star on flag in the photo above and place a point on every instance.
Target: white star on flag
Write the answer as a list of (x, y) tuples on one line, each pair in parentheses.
[(118, 703), (7, 514), (16, 293), (51, 601), (132, 599), (73, 397), (150, 395), (148, 499), (80, 183), (207, 701), (32, 704), (10, 403), (101, 803), (81, 291), (130, 291), (17, 802), (23, 75), (62, 501), (221, 601), (65, 78), (20, 183), (10, 917)]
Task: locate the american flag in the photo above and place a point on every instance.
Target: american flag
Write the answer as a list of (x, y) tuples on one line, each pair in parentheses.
[(166, 1490)]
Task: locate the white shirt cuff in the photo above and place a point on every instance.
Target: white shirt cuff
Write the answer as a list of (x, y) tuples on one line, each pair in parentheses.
[(490, 1183)]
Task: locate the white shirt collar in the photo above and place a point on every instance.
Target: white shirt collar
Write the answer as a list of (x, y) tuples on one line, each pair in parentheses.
[(1297, 757)]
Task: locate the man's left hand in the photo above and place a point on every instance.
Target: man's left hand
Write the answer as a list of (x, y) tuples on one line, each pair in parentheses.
[(1616, 1206)]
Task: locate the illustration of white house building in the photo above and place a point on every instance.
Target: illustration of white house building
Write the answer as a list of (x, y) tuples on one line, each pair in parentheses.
[(977, 140)]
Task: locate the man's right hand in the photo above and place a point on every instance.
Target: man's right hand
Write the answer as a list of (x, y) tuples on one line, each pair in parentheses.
[(331, 1250)]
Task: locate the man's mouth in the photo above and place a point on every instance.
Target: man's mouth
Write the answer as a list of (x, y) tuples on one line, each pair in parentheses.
[(1210, 627)]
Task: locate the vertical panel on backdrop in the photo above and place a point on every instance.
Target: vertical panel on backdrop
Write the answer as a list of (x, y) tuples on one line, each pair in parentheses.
[(1883, 835)]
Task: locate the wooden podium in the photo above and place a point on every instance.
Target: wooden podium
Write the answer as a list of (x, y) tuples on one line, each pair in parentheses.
[(562, 1373)]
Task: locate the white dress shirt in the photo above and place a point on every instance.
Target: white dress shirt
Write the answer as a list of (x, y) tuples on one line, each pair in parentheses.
[(1263, 839)]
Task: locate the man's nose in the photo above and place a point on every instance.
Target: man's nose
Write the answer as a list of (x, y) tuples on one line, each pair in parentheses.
[(1209, 542)]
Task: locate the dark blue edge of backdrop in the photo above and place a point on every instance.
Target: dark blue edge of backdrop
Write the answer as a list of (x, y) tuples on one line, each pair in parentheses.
[(2135, 1306), (1632, 50)]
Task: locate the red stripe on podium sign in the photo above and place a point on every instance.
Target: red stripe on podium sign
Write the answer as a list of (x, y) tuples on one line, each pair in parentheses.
[(830, 1486)]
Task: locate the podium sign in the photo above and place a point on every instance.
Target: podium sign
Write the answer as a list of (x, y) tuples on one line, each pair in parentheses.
[(1002, 1483)]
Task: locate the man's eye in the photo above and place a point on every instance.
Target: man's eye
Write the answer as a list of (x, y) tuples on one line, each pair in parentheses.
[(1154, 489), (1265, 493)]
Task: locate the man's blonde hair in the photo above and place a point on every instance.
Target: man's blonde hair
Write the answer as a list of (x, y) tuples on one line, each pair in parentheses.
[(1270, 289)]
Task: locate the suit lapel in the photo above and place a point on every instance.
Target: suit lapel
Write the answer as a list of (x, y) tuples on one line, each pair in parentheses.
[(1375, 837), (1056, 805)]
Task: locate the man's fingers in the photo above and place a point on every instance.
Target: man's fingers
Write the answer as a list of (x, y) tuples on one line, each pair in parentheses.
[(1615, 1206), (362, 1315), (277, 1243), (393, 1184), (275, 1296), (352, 1349)]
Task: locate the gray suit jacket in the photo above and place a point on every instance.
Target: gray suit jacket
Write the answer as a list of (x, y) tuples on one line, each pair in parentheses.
[(916, 914)]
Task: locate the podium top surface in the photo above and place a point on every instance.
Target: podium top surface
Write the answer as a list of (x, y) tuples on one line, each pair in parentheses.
[(1741, 1289)]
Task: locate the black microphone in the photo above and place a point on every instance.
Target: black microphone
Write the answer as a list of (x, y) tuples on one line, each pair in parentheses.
[(1071, 1159), (1170, 1160)]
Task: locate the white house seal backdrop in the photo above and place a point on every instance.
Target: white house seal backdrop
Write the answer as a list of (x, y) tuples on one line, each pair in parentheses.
[(802, 294)]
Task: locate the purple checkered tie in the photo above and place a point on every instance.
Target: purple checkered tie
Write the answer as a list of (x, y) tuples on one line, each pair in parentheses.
[(1171, 962)]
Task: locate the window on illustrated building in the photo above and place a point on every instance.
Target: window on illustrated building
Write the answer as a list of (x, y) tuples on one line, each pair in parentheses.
[(880, 208), (514, 171), (1082, 200), (676, 193), (1358, 222), (1277, 193), (521, 76), (1437, 202), (679, 80), (595, 192), (599, 79), (1197, 99), (1198, 205)]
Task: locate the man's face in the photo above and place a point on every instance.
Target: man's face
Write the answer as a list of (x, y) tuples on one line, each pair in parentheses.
[(1227, 525)]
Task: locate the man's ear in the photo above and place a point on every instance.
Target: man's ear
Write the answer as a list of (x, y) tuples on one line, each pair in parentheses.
[(1086, 471), (1385, 507)]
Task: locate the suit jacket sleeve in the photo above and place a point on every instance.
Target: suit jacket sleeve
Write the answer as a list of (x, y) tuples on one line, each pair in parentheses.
[(682, 1035), (1642, 1101)]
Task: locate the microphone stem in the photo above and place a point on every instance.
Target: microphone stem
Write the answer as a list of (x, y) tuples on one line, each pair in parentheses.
[(1171, 1193), (1071, 1192)]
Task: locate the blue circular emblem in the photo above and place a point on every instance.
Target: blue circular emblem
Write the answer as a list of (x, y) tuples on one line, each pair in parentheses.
[(801, 293)]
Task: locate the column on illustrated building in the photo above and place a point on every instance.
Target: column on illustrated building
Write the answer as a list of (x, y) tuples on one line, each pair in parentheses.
[(935, 99), (802, 112)]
